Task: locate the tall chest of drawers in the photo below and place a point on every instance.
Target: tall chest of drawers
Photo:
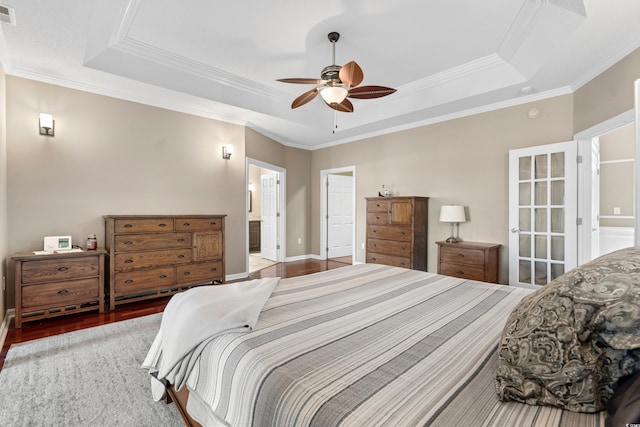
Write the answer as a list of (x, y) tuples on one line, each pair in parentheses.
[(57, 284), (397, 231), (157, 255)]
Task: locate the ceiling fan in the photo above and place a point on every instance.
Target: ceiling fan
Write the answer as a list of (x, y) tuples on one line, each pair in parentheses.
[(338, 84)]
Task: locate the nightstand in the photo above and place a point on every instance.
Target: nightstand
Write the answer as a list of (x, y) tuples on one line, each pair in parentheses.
[(469, 260)]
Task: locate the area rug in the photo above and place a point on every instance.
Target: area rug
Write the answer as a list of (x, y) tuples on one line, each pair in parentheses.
[(90, 377)]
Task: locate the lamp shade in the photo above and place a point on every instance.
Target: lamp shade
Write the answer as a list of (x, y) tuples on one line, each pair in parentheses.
[(334, 94), (46, 121), (452, 213)]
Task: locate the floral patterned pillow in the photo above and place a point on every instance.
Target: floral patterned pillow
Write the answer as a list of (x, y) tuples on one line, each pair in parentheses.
[(568, 343)]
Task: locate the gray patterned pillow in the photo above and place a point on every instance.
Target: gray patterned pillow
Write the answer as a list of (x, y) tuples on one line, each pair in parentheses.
[(567, 344)]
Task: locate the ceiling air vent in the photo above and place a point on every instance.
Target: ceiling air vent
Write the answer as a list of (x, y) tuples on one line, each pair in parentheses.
[(7, 15)]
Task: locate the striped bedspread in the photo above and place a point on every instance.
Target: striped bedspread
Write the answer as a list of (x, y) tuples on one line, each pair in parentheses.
[(368, 345)]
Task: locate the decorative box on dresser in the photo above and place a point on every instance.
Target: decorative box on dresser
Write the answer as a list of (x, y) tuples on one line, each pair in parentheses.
[(397, 231), (56, 284), (469, 260), (152, 256)]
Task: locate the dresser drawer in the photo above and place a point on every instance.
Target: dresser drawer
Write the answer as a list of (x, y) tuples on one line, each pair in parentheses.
[(396, 261), (463, 271), (60, 294), (59, 269), (377, 218), (136, 242), (389, 232), (190, 224), (133, 225), (199, 272), (126, 261), (128, 282), (377, 205), (389, 247), (462, 256)]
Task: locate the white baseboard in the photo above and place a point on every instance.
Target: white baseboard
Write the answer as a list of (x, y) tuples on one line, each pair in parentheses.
[(4, 328)]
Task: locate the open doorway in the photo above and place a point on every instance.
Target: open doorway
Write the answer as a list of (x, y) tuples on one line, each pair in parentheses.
[(606, 198), (337, 214), (265, 215)]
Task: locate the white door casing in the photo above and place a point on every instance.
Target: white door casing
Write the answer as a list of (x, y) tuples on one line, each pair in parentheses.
[(269, 216), (543, 219)]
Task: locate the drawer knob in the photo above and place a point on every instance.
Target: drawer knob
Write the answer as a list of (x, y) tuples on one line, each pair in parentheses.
[(186, 273), (212, 223), (402, 232), (460, 255), (63, 292), (128, 261), (186, 224), (180, 256), (63, 268), (128, 225), (128, 281), (163, 276), (460, 272), (214, 269), (402, 248), (128, 243), (162, 224), (180, 240)]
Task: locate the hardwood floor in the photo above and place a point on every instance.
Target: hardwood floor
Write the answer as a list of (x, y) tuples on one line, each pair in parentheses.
[(44, 328)]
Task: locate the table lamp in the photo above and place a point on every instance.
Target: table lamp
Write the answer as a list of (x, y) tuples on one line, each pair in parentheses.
[(455, 215)]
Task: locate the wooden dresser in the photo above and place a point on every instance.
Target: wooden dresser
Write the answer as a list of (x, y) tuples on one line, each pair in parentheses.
[(57, 284), (469, 260), (397, 231), (157, 255)]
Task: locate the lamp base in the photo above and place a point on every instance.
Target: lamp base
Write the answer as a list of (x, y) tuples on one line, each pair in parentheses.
[(452, 240)]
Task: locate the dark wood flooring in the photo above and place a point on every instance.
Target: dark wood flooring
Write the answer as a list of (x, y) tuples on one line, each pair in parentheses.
[(44, 328)]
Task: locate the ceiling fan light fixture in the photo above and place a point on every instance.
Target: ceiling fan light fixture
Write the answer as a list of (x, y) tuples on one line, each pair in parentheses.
[(334, 94)]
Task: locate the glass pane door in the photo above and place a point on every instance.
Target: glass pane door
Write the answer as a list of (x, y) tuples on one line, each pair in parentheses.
[(542, 212)]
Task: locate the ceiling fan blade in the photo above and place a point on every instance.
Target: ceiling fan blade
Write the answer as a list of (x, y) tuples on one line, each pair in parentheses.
[(368, 92), (351, 74), (302, 80), (345, 106), (304, 98)]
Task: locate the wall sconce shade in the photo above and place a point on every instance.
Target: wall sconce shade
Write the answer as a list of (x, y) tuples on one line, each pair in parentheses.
[(227, 151), (47, 125), (454, 214)]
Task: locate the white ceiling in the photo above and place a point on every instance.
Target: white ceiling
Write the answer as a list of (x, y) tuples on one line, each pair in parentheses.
[(221, 59)]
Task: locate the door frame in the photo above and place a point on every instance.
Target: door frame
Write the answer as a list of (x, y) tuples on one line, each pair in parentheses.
[(324, 174), (585, 199), (282, 207)]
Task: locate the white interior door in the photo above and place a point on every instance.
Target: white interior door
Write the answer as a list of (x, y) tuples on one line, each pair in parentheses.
[(269, 217), (339, 215), (542, 213)]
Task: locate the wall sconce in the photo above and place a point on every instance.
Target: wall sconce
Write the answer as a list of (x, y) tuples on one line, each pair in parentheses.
[(47, 125), (250, 186), (455, 215), (227, 151)]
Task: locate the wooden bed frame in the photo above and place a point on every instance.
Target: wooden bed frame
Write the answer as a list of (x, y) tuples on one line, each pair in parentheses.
[(179, 398)]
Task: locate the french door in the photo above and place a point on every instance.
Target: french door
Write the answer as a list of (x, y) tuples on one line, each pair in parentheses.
[(542, 213)]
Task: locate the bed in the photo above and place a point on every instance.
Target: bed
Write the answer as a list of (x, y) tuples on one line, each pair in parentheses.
[(365, 345)]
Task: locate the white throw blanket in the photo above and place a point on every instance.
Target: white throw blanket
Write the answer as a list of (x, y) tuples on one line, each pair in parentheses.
[(192, 318)]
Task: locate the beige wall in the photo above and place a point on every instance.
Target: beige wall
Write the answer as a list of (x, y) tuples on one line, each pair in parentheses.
[(3, 192), (463, 161), (110, 156), (616, 176)]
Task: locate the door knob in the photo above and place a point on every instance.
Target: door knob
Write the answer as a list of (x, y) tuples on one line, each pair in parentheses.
[(515, 230)]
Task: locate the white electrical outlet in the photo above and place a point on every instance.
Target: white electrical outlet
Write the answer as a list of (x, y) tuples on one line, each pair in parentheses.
[(616, 211), (362, 246), (299, 240)]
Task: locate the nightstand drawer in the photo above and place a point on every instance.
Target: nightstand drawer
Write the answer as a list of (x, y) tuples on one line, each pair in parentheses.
[(389, 247), (50, 270), (395, 261), (462, 255), (463, 271), (189, 224), (61, 294)]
